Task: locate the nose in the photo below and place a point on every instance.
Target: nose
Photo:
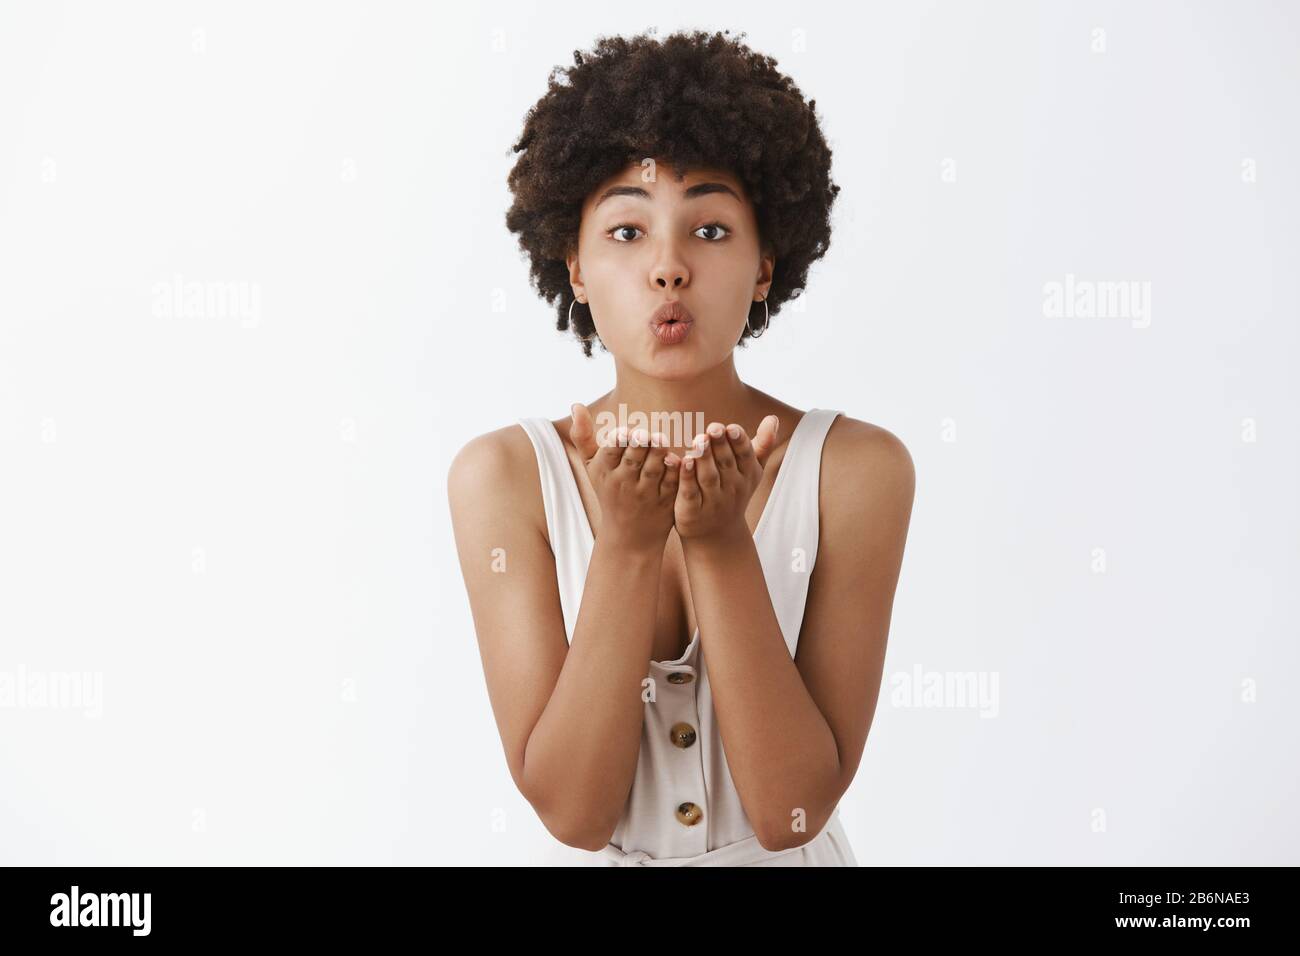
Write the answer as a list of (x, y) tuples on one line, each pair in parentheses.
[(670, 269)]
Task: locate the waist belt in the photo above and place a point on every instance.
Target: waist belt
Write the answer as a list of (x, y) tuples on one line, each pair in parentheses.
[(744, 852)]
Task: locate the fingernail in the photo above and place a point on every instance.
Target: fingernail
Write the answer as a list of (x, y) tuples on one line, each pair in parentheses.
[(733, 431), (689, 464), (716, 429)]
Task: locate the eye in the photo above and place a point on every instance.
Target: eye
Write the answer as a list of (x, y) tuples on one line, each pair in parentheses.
[(618, 232), (617, 229)]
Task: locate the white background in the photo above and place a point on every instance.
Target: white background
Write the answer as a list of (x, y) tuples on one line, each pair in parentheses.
[(240, 523)]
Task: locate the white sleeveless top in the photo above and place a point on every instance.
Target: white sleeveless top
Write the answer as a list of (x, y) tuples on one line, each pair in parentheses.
[(683, 809)]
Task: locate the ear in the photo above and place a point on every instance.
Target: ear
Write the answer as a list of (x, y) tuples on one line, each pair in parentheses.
[(575, 277), (763, 283)]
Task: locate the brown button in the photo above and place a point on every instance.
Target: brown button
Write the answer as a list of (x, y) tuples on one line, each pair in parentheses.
[(689, 814), (680, 677), (683, 735)]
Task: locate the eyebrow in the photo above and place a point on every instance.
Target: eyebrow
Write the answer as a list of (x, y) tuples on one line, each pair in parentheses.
[(693, 192)]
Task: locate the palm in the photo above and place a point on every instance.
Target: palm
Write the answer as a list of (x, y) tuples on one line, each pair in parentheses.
[(713, 495)]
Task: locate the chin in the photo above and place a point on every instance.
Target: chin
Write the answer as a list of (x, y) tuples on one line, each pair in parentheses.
[(679, 364)]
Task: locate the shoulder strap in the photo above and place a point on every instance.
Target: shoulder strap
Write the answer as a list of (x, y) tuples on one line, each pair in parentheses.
[(566, 519), (789, 539)]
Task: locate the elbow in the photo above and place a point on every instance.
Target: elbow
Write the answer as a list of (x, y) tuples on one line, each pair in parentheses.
[(577, 834), (572, 829), (774, 839), (592, 843), (796, 830)]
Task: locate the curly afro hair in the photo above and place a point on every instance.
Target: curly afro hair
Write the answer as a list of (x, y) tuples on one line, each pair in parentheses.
[(693, 100)]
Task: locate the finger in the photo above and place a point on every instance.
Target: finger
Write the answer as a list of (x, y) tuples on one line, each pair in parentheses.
[(613, 444), (583, 432), (743, 450), (722, 455), (688, 487), (765, 438), (607, 436), (706, 469), (671, 477), (652, 470), (638, 446)]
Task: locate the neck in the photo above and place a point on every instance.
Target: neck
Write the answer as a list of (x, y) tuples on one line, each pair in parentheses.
[(684, 406)]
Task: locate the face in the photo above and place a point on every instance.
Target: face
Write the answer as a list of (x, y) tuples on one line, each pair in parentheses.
[(647, 239)]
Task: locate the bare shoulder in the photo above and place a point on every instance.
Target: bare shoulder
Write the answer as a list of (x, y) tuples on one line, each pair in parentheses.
[(497, 469), (866, 465)]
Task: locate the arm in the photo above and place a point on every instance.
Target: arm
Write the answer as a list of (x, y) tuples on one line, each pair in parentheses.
[(794, 730), (569, 716)]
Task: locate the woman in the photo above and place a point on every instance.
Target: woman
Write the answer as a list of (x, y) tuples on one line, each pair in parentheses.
[(682, 632)]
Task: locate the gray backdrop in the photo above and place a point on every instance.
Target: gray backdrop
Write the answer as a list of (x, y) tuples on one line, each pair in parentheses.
[(256, 290)]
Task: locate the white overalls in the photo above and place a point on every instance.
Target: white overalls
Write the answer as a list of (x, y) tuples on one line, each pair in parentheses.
[(683, 808)]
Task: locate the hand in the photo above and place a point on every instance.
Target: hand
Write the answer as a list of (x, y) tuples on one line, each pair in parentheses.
[(719, 476), (635, 477)]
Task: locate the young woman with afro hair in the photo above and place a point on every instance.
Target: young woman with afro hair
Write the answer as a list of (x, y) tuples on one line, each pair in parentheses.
[(682, 592)]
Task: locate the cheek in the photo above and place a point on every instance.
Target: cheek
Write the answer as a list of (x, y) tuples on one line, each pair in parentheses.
[(727, 277), (602, 265), (737, 268), (737, 256)]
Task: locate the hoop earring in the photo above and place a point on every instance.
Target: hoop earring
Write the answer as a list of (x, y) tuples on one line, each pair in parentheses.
[(581, 338), (759, 333)]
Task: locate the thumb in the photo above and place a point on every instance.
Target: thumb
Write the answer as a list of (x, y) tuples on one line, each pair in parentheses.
[(583, 431), (765, 438)]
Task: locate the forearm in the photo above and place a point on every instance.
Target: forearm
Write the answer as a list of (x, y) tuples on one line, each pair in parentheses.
[(780, 750), (582, 754)]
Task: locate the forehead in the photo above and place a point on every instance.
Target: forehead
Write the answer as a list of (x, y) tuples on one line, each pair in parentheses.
[(662, 180)]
